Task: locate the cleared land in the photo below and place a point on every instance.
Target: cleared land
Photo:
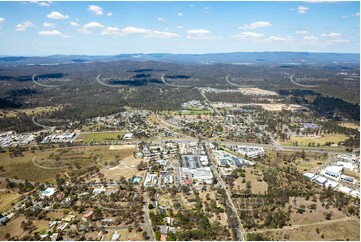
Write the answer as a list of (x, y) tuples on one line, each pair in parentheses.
[(257, 91), (304, 141), (258, 186), (6, 199), (29, 111), (340, 229), (350, 125), (101, 136)]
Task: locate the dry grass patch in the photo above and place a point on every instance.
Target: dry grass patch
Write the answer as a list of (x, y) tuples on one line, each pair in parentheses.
[(6, 199), (256, 178)]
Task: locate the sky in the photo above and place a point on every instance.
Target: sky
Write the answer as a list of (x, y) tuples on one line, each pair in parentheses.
[(40, 28)]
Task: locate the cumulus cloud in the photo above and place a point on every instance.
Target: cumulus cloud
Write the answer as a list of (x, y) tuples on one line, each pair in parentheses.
[(161, 34), (301, 32), (95, 9), (48, 24), (180, 14), (201, 34), (147, 33), (2, 20), (41, 3), (302, 9), (161, 19), (74, 24), (332, 35), (180, 27), (111, 31), (134, 30), (53, 33), (93, 25), (310, 38), (280, 39), (249, 35), (255, 25), (24, 26), (109, 14), (57, 15)]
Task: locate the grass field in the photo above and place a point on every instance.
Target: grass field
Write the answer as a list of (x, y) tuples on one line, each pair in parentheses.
[(84, 156), (304, 141), (29, 111), (101, 136), (350, 125), (6, 199), (258, 186), (330, 231)]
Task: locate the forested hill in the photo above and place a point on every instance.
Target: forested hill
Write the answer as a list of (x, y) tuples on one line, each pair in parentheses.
[(237, 58)]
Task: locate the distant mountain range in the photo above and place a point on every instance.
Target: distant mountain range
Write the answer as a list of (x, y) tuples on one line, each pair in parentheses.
[(236, 58)]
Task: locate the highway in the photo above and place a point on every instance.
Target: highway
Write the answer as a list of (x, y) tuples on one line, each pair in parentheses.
[(240, 230)]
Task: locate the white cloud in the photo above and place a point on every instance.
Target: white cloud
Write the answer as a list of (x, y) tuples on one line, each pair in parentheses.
[(111, 31), (180, 14), (24, 26), (180, 27), (95, 9), (93, 25), (41, 3), (332, 35), (48, 24), (57, 15), (83, 31), (357, 14), (310, 38), (302, 9), (249, 35), (2, 20), (301, 32), (53, 33), (206, 9), (163, 20), (74, 24), (109, 14), (148, 33), (134, 30), (254, 25), (161, 34), (201, 34), (280, 39)]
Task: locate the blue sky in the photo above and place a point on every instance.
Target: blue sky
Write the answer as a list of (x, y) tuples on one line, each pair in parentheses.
[(106, 28)]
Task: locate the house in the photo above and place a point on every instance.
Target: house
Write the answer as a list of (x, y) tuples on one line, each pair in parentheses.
[(54, 237), (3, 220), (69, 218), (115, 236), (87, 214), (128, 136)]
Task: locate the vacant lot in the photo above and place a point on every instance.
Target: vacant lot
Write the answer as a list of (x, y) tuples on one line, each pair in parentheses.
[(6, 199), (343, 229), (29, 111), (12, 227), (350, 125), (304, 141), (256, 179), (100, 136)]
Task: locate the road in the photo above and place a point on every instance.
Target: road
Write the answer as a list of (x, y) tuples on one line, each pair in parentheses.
[(148, 223), (240, 233)]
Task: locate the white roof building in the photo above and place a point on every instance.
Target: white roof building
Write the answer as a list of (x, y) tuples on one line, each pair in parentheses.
[(320, 180), (48, 192), (331, 184), (344, 189), (309, 175), (128, 136), (333, 171)]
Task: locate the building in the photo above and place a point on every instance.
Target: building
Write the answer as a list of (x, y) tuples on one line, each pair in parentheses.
[(190, 161), (349, 179), (331, 184), (320, 180), (48, 192), (115, 236), (308, 176), (128, 136), (333, 171)]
